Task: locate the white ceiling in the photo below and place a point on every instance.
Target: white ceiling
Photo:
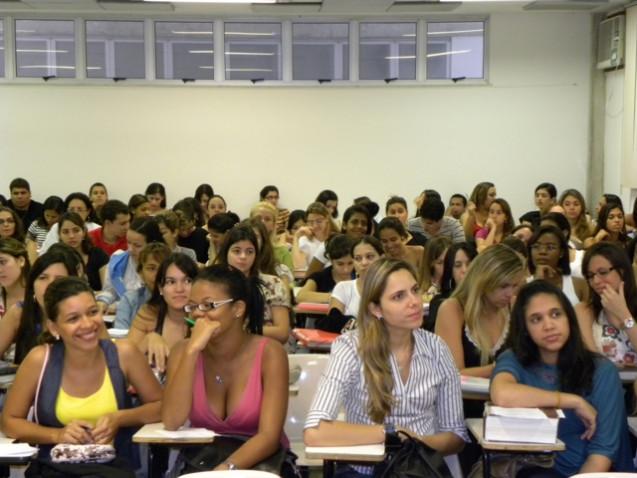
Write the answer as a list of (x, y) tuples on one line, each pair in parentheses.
[(328, 8)]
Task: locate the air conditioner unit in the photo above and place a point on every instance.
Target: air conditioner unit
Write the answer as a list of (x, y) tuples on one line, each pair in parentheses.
[(610, 43)]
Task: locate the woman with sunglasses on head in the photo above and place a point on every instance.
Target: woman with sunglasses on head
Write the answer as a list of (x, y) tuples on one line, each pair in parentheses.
[(548, 365), (607, 318)]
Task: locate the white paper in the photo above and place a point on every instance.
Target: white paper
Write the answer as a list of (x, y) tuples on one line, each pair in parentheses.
[(118, 333), (186, 433), (527, 413), (17, 449)]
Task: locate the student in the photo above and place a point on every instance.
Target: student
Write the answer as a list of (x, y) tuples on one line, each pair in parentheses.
[(53, 208), (537, 371), (457, 206), (607, 318), (296, 221), (607, 198), (270, 194), (267, 214), (191, 236), (160, 323), (575, 255), (318, 287), (10, 225), (267, 261), (308, 239), (203, 193), (238, 379), (115, 221), (240, 249), (499, 224), (150, 260), (611, 226), (393, 237), (218, 226), (415, 224), (98, 196), (477, 213), (329, 199), (73, 233), (371, 369), (78, 384), (524, 232), (21, 202), (396, 206), (24, 322), (14, 271), (435, 224), (169, 226), (549, 261), (138, 206), (432, 265), (545, 198), (575, 211), (156, 194), (216, 205)]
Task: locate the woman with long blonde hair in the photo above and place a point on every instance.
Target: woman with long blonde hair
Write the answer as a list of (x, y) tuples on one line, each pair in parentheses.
[(574, 206), (386, 358)]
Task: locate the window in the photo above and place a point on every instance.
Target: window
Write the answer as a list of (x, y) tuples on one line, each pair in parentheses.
[(320, 51), (455, 50), (45, 48), (387, 50), (252, 51), (1, 47), (184, 50), (115, 49)]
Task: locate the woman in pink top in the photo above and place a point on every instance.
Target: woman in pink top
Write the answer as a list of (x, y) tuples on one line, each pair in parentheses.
[(233, 371)]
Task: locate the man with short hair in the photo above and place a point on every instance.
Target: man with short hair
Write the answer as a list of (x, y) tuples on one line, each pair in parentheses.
[(457, 206), (115, 221), (26, 208), (436, 224), (545, 199)]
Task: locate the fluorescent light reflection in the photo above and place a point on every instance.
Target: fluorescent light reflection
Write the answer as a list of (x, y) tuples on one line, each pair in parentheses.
[(259, 70), (453, 32), (247, 53), (405, 57), (445, 53), (207, 52), (211, 1), (24, 50), (175, 32), (248, 34)]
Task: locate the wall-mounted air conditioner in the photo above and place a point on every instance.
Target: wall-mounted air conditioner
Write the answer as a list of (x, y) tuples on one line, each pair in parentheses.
[(610, 43)]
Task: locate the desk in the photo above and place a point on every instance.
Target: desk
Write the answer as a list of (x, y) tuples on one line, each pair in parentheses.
[(628, 375), (474, 388), (311, 308), (6, 381), (476, 427), (330, 454)]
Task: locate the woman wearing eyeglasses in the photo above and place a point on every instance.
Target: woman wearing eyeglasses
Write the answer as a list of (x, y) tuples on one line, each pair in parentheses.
[(607, 318), (309, 238)]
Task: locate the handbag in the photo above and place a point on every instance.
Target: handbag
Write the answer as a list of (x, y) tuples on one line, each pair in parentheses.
[(406, 457)]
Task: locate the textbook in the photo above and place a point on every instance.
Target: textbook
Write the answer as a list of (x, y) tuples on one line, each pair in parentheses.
[(521, 425), (314, 337)]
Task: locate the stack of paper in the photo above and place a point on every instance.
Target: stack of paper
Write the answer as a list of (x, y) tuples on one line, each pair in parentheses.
[(17, 450), (521, 425)]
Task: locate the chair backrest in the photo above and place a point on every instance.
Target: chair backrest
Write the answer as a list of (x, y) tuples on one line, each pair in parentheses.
[(312, 366)]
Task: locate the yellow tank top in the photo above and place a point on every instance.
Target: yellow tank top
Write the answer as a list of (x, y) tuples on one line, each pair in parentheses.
[(91, 408)]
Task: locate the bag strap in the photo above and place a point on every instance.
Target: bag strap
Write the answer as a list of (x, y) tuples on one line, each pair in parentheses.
[(37, 390)]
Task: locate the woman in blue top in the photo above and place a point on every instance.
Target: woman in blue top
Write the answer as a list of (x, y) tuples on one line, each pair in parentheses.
[(549, 366)]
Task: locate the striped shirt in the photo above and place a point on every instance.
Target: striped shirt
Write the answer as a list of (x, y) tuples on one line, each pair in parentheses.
[(430, 402)]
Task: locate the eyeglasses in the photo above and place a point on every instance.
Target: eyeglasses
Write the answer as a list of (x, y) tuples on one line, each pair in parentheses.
[(206, 306), (545, 247), (600, 272), (7, 221)]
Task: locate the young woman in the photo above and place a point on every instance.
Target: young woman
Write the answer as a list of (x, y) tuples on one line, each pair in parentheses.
[(98, 195), (318, 287), (308, 239), (477, 213), (524, 232), (216, 205), (14, 271), (575, 211), (549, 261), (611, 226), (78, 384), (607, 318), (396, 206), (267, 214), (203, 193), (371, 370), (238, 379), (156, 194), (168, 223), (160, 323), (537, 371), (295, 222), (329, 199), (432, 266), (24, 323), (240, 249), (53, 208), (393, 237), (499, 224), (218, 226), (605, 199), (268, 263), (138, 206), (10, 225)]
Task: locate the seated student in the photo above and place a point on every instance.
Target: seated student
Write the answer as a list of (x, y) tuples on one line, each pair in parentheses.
[(605, 199), (14, 273), (545, 198), (499, 224), (372, 209), (393, 237), (73, 233), (169, 226), (149, 261), (524, 232), (156, 194), (238, 379), (575, 255), (396, 206), (36, 233), (432, 264), (415, 223), (607, 319), (611, 226), (477, 212), (318, 287), (216, 205), (10, 225), (23, 323), (537, 371), (74, 202), (268, 263), (21, 202), (121, 274), (161, 322), (549, 261), (191, 235), (296, 221), (454, 269), (436, 224), (267, 214), (574, 206), (218, 225), (270, 194), (98, 196), (78, 384), (138, 206), (457, 206), (373, 368), (111, 236), (308, 239), (240, 249), (346, 296), (202, 195)]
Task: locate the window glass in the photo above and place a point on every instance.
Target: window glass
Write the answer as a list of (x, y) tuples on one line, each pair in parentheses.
[(455, 50), (252, 51), (320, 51), (1, 47), (387, 50), (45, 48), (184, 50), (115, 49)]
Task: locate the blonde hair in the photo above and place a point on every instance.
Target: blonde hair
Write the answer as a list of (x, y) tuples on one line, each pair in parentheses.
[(581, 228), (267, 207), (321, 209), (492, 268), (433, 250), (373, 346)]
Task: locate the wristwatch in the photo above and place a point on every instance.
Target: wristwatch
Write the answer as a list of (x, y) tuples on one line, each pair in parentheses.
[(629, 323)]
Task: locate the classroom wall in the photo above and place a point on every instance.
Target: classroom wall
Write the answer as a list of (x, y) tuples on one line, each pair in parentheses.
[(529, 124)]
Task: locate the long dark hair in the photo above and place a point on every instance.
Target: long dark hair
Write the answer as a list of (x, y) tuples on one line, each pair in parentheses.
[(239, 288), (265, 251), (574, 356), (240, 232), (52, 203), (328, 195), (603, 217), (60, 290), (18, 228), (563, 263), (186, 265), (86, 245), (447, 282)]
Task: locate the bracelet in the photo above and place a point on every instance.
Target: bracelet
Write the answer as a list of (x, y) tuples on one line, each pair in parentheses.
[(231, 466), (559, 400)]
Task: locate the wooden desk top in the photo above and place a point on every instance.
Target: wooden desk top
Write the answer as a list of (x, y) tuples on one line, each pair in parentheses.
[(369, 453), (476, 427), (156, 433)]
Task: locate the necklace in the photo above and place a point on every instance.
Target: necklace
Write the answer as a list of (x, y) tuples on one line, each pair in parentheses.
[(219, 379)]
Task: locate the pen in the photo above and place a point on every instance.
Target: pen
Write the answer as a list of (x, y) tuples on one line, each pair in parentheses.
[(189, 321)]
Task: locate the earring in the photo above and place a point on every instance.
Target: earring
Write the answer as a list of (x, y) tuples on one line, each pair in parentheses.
[(56, 336)]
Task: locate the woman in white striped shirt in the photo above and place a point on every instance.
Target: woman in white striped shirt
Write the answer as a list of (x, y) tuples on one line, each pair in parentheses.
[(388, 374)]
